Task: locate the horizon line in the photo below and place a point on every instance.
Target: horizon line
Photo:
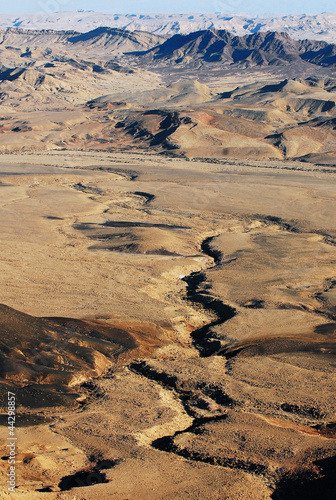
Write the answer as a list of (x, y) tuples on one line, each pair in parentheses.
[(228, 14)]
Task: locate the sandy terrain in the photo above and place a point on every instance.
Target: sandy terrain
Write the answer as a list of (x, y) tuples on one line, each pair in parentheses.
[(167, 264), (200, 332)]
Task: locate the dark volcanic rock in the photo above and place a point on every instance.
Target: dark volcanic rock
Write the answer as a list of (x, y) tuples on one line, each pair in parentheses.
[(220, 46)]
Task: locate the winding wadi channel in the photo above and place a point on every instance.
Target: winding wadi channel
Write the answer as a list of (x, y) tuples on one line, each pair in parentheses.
[(223, 283)]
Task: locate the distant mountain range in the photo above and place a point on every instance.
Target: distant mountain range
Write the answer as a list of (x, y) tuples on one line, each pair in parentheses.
[(317, 27), (206, 48)]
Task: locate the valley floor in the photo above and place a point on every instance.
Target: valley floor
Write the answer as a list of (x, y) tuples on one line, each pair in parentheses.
[(190, 307)]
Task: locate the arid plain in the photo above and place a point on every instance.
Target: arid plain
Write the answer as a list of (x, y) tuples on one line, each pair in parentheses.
[(167, 258)]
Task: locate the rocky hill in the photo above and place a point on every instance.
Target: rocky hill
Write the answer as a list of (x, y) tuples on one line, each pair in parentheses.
[(220, 46)]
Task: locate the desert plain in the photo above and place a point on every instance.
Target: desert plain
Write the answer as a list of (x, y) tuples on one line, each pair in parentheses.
[(167, 259)]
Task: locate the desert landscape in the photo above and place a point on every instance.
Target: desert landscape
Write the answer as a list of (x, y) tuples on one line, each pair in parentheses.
[(167, 257)]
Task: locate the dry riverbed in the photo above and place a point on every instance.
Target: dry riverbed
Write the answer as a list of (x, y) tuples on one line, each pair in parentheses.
[(168, 326)]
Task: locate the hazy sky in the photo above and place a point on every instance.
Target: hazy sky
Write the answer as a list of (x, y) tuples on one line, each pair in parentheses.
[(256, 7)]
